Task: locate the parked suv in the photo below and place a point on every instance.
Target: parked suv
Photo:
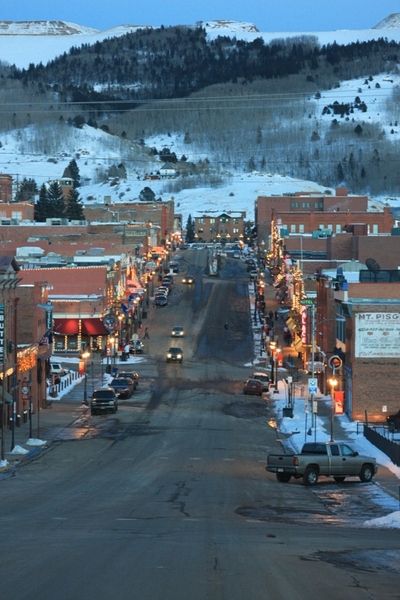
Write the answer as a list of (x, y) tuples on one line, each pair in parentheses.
[(103, 400)]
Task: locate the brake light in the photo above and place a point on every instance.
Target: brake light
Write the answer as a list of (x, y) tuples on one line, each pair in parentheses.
[(295, 461)]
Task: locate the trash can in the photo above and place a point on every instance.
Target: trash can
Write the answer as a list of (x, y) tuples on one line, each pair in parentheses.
[(287, 412)]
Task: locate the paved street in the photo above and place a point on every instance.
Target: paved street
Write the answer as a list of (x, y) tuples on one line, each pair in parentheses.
[(169, 498)]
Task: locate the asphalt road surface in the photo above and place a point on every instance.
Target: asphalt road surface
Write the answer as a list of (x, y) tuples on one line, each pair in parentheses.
[(169, 498)]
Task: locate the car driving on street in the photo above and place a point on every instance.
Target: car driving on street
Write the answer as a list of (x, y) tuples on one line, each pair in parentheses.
[(174, 354), (188, 279), (177, 331)]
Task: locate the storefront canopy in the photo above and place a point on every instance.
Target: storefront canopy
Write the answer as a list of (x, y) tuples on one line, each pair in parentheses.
[(86, 327)]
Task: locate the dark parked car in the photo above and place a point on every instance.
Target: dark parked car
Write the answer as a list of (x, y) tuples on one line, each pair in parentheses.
[(104, 400), (174, 355), (134, 375), (253, 387), (161, 300), (393, 421), (263, 377), (122, 386)]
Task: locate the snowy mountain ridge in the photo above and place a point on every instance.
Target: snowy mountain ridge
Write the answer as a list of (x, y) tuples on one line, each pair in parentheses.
[(32, 42), (390, 22), (44, 28)]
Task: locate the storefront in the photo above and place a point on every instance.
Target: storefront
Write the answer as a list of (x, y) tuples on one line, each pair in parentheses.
[(71, 334)]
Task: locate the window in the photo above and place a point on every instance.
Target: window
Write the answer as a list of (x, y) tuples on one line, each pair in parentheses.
[(335, 450), (375, 229), (301, 228), (293, 229), (16, 215), (347, 451), (340, 327), (212, 221), (338, 228), (235, 230)]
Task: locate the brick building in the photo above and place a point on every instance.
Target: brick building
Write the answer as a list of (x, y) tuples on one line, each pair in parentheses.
[(361, 322), (227, 226), (6, 182), (305, 213)]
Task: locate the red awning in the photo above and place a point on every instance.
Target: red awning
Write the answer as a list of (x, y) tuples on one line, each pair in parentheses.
[(71, 327), (66, 326), (93, 327)]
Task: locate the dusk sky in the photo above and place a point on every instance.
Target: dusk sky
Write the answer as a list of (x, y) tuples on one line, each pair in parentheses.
[(267, 15)]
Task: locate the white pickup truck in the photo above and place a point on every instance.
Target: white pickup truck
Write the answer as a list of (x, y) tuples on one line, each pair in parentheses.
[(332, 459)]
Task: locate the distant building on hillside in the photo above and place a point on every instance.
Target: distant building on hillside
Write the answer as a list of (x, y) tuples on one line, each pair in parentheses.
[(227, 226)]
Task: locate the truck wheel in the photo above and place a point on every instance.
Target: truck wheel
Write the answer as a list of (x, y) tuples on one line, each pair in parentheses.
[(283, 477), (339, 479), (366, 473), (310, 476)]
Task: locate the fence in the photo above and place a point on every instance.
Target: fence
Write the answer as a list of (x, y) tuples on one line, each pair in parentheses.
[(54, 390), (382, 441)]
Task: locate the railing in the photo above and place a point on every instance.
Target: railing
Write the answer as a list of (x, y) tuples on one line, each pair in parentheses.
[(53, 390), (385, 440)]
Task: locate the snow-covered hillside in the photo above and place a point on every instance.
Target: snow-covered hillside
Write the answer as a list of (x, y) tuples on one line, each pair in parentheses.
[(24, 42), (390, 22)]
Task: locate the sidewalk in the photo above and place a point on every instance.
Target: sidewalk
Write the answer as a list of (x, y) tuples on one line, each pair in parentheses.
[(307, 427)]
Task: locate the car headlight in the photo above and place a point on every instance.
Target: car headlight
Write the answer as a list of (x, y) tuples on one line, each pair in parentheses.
[(169, 355), (179, 356)]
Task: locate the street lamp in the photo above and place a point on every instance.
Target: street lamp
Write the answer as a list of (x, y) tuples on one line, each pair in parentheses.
[(85, 355), (272, 347), (333, 383), (277, 351)]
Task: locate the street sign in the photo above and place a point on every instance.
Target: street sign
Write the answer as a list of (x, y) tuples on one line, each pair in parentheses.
[(110, 323), (307, 302), (312, 385)]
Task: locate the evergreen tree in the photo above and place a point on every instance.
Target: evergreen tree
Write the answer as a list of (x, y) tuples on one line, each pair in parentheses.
[(72, 171), (190, 230), (147, 195), (26, 191), (41, 209), (73, 207), (339, 173), (56, 200)]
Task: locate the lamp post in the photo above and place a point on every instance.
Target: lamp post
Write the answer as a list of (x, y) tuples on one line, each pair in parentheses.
[(277, 351), (272, 347), (120, 319), (85, 355), (333, 383)]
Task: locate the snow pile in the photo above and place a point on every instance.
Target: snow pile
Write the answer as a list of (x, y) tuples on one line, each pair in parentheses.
[(19, 450), (390, 521)]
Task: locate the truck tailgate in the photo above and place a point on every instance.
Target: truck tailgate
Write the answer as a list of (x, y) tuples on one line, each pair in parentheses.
[(277, 462)]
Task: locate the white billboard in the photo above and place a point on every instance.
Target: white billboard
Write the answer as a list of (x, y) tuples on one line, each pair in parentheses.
[(377, 335)]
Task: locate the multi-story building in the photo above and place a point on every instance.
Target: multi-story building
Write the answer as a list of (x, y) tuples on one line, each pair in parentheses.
[(227, 226), (358, 318), (319, 214)]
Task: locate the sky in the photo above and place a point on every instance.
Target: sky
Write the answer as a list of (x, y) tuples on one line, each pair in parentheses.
[(267, 15)]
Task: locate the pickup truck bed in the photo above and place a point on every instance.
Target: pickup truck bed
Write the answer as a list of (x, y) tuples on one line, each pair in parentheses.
[(332, 459)]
